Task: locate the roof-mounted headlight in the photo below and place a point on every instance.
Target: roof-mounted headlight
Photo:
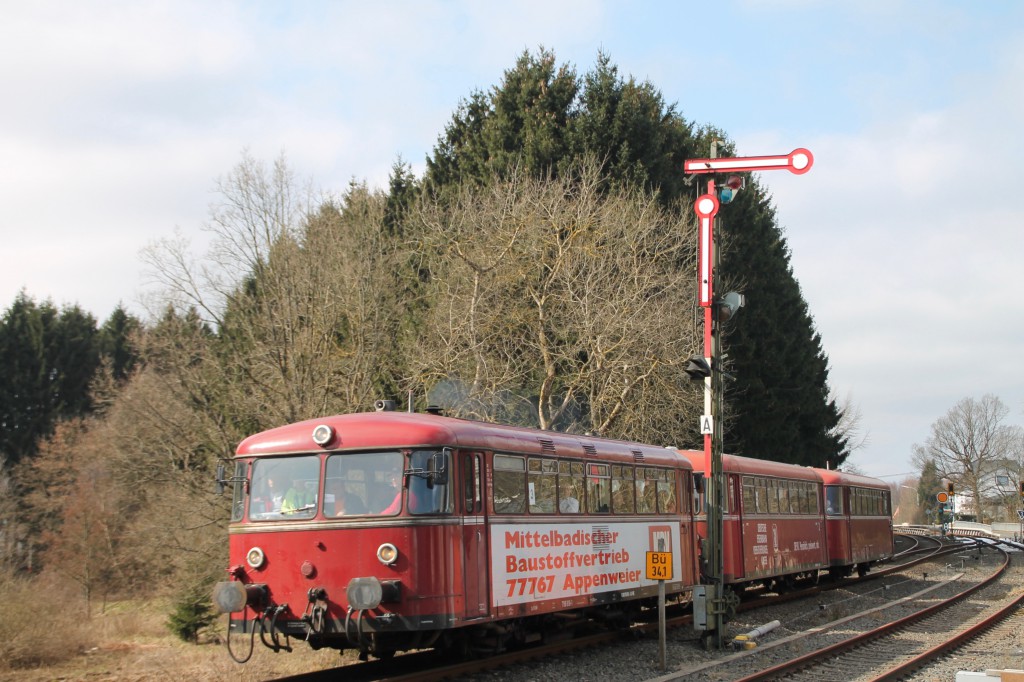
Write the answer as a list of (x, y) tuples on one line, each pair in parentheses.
[(323, 434)]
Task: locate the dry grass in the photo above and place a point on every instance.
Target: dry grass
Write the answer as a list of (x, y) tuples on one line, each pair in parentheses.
[(42, 639)]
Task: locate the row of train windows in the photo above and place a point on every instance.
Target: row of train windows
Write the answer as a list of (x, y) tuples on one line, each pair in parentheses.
[(541, 485), (776, 496), (869, 502)]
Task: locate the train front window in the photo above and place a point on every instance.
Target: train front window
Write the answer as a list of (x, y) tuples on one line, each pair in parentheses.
[(284, 488), (363, 483), (429, 495)]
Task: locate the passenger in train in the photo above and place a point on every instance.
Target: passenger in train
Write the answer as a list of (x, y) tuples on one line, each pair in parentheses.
[(569, 505), (346, 503), (390, 496)]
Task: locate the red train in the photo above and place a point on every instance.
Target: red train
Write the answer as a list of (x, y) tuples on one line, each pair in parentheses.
[(389, 531), (782, 523)]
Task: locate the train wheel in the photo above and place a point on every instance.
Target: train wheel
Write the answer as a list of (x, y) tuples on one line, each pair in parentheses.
[(732, 605)]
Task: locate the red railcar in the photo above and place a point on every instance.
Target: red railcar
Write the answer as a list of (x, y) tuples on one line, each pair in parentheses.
[(390, 531), (858, 521), (773, 527)]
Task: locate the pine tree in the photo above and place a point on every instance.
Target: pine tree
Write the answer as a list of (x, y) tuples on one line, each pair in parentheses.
[(47, 360), (779, 405), (116, 343)]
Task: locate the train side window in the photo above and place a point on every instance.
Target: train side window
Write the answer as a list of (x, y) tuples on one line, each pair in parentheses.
[(784, 505), (509, 484), (238, 491), (428, 496), (541, 485), (773, 496), (470, 483), (749, 495), (667, 492), (623, 490), (570, 487), (647, 490), (699, 487), (599, 488), (833, 500)]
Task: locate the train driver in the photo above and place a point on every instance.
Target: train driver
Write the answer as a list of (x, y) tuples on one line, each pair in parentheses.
[(297, 498)]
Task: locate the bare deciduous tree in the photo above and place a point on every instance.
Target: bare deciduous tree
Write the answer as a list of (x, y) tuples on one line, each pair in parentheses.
[(563, 304), (969, 445)]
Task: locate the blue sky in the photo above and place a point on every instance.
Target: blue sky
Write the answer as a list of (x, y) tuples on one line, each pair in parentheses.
[(118, 118)]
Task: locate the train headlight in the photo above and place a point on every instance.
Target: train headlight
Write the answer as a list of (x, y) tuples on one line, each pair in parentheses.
[(364, 593), (387, 554), (255, 557)]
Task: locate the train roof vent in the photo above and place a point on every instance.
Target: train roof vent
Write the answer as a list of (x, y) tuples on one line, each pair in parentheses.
[(589, 449), (547, 445), (638, 456)]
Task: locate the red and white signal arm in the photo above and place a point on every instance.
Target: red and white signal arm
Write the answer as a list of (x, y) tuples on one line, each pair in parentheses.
[(706, 208), (798, 161)]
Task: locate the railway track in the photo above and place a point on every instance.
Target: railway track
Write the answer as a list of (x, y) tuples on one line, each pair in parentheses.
[(857, 647)]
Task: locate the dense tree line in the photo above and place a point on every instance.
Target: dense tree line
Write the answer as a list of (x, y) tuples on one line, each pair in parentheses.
[(542, 272), (50, 358)]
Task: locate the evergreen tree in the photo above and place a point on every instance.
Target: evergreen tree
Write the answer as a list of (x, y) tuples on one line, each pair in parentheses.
[(116, 343), (47, 360), (524, 123), (779, 405), (928, 486)]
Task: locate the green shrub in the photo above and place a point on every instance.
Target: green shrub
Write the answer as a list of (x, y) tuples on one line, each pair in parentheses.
[(192, 612)]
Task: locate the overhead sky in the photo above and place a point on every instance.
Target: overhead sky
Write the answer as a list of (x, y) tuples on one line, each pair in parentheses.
[(117, 118)]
